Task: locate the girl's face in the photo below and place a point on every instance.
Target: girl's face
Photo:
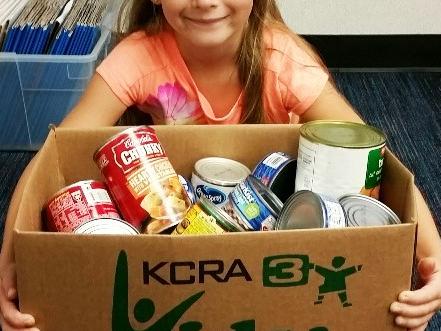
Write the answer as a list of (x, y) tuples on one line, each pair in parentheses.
[(207, 23)]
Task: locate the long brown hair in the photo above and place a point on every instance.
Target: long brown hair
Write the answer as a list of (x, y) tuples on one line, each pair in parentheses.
[(144, 15)]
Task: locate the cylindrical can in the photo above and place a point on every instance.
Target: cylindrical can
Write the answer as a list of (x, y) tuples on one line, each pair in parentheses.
[(205, 217), (105, 226), (141, 179), (78, 203), (278, 172), (337, 158), (188, 187), (361, 210), (308, 210), (215, 177), (253, 206)]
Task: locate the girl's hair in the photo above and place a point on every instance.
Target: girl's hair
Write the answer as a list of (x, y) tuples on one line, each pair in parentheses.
[(138, 15)]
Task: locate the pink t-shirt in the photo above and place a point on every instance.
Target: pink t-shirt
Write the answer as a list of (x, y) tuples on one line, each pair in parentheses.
[(149, 72)]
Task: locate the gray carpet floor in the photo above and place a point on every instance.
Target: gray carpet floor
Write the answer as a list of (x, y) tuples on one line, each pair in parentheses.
[(405, 105)]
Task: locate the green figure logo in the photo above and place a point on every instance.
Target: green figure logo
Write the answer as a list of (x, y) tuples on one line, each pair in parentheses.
[(145, 308), (335, 280)]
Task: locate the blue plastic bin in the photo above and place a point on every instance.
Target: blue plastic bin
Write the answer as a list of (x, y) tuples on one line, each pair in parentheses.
[(38, 90)]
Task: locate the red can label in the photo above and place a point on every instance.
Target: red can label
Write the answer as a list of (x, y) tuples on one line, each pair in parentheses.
[(79, 203), (142, 180)]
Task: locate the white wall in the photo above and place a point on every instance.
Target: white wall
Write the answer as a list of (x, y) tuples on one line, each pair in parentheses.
[(362, 16)]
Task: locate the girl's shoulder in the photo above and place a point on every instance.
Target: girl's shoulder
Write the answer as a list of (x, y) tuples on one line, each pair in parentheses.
[(284, 48)]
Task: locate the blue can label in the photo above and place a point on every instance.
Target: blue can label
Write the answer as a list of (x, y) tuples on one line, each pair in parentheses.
[(188, 188), (216, 196), (251, 208), (270, 166)]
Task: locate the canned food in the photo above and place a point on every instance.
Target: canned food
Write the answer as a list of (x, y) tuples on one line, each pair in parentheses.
[(205, 217), (361, 210), (253, 206), (141, 179), (78, 203), (337, 158), (307, 210), (188, 187), (105, 226), (215, 177), (278, 172)]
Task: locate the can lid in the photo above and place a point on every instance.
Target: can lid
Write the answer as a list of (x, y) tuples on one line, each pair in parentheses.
[(105, 226), (343, 134), (222, 218), (272, 202), (303, 210), (362, 210), (221, 171)]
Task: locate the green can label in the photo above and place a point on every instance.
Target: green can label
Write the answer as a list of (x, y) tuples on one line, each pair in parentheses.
[(374, 168)]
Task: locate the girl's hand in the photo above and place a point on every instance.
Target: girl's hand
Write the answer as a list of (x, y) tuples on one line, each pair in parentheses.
[(10, 318), (414, 309)]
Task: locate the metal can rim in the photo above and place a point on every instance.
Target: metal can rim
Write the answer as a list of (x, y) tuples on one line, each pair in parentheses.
[(222, 218), (224, 183), (290, 201), (274, 199), (373, 201), (304, 133)]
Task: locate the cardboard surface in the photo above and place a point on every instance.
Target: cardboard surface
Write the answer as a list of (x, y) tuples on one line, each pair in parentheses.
[(242, 281)]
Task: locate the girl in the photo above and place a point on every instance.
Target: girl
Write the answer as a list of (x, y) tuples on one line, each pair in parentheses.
[(218, 62)]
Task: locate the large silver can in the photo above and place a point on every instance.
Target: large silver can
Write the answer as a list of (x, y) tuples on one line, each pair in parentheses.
[(337, 158)]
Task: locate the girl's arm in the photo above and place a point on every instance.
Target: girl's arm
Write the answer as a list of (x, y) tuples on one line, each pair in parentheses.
[(98, 106), (413, 308)]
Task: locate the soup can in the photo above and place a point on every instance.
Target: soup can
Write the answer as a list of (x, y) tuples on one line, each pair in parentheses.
[(142, 180), (277, 171), (78, 203), (253, 206), (307, 210), (215, 177), (361, 210), (188, 187), (205, 217), (106, 226), (337, 158)]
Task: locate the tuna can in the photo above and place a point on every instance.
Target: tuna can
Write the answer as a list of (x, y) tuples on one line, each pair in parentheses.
[(215, 177), (337, 158), (308, 210), (361, 210), (78, 203), (205, 217), (141, 179), (105, 226), (188, 187), (277, 171), (253, 206)]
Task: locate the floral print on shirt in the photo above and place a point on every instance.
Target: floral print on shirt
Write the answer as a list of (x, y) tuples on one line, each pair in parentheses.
[(171, 100)]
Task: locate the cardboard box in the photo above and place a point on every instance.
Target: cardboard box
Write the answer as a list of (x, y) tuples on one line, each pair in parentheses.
[(266, 281)]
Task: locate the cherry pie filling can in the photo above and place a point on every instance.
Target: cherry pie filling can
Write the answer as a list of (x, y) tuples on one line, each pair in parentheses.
[(78, 203), (142, 180)]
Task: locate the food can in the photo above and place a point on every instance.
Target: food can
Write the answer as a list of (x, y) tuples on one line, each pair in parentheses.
[(361, 210), (78, 203), (215, 177), (106, 226), (253, 206), (188, 187), (142, 180), (307, 210), (337, 158), (205, 217), (277, 171)]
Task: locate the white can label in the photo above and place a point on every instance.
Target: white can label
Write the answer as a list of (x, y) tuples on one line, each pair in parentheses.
[(335, 171)]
